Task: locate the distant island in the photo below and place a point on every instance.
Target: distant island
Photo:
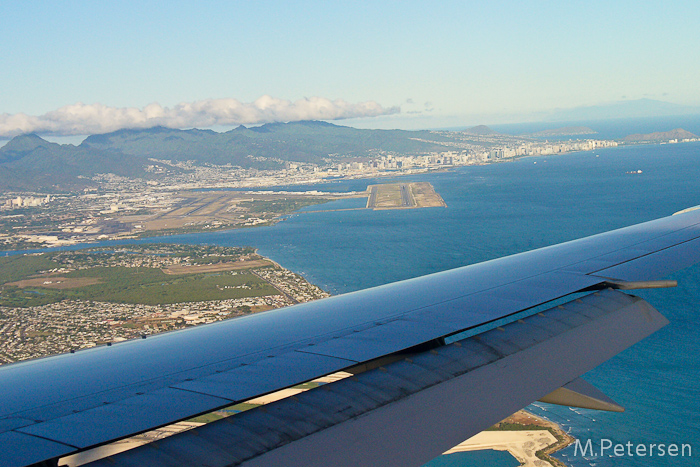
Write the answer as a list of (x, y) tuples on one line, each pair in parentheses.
[(565, 131), (679, 134), (480, 130)]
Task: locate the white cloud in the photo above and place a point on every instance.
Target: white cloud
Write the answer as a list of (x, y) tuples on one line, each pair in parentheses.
[(82, 119)]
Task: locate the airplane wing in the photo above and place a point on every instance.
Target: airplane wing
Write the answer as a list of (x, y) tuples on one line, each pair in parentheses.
[(436, 359)]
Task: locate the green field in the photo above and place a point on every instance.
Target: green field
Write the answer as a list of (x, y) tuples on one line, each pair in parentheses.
[(14, 268), (121, 284), (148, 286)]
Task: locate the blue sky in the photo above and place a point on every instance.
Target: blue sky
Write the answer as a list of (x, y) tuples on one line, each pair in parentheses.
[(441, 63)]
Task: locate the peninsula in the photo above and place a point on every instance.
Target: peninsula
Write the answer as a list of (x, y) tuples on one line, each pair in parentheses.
[(672, 136)]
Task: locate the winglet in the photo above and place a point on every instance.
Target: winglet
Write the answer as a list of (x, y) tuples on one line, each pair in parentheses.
[(580, 393)]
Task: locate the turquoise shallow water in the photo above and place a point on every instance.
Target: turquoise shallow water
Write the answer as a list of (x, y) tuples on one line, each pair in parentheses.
[(501, 209), (487, 457)]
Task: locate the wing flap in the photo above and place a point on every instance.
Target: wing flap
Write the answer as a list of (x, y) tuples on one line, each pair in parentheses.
[(410, 411)]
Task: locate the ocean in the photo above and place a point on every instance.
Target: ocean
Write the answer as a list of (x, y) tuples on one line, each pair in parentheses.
[(505, 208), (502, 209)]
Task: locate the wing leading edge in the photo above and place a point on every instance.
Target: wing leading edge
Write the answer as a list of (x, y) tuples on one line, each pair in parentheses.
[(136, 386)]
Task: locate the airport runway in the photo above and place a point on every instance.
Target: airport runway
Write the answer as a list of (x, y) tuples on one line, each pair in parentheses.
[(372, 198), (406, 198)]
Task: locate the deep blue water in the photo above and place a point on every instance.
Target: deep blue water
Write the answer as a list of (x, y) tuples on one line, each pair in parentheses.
[(501, 209)]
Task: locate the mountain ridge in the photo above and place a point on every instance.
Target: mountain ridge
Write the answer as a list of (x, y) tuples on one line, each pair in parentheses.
[(304, 141), (28, 162)]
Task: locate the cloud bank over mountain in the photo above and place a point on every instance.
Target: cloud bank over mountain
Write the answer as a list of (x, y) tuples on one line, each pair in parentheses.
[(84, 119)]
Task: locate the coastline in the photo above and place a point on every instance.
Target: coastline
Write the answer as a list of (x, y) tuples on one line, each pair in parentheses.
[(184, 223)]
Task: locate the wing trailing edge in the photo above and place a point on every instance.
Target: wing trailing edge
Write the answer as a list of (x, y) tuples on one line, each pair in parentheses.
[(410, 411)]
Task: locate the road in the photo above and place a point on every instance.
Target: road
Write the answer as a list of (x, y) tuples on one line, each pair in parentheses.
[(280, 290)]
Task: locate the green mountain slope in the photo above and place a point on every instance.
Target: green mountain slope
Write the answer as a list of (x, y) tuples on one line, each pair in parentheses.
[(29, 162), (306, 141)]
